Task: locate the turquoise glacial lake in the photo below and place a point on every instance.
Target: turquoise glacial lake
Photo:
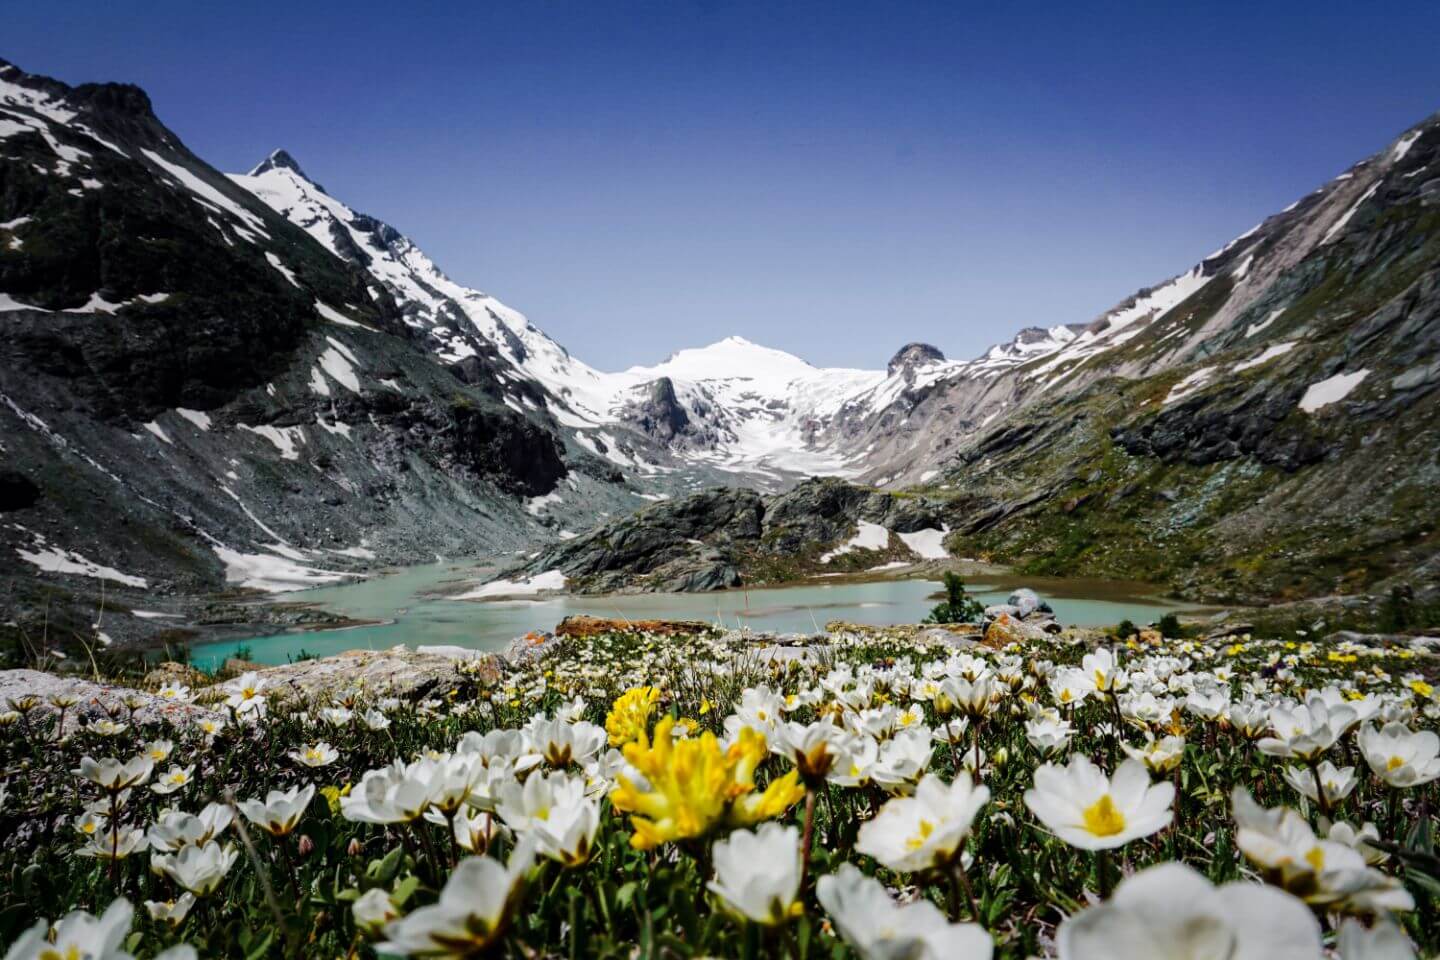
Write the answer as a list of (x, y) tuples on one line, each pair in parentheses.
[(415, 612)]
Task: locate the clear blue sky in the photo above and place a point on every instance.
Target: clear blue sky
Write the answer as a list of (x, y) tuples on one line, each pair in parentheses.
[(830, 178)]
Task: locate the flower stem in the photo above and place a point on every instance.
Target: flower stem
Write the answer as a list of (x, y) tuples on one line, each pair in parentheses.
[(808, 836)]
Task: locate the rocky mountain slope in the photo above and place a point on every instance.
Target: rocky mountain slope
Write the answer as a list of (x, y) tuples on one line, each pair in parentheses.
[(1266, 425), (196, 394), (733, 537), (1262, 426)]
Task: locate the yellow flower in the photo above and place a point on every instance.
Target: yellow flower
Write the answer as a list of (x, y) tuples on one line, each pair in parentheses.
[(629, 715), (332, 796), (1422, 688), (694, 786)]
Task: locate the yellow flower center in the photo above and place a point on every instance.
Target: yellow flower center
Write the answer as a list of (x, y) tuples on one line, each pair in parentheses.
[(1395, 762), (1103, 819), (1316, 859), (71, 952), (922, 834)]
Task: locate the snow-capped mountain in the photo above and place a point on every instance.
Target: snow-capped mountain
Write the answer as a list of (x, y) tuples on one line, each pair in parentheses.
[(195, 394), (210, 379), (733, 405)]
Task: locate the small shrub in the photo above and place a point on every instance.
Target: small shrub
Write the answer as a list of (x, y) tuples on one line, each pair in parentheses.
[(959, 607)]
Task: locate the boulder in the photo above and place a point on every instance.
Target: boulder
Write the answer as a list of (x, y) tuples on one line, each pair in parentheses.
[(95, 701), (1025, 601), (396, 672), (1007, 629), (581, 625), (997, 610)]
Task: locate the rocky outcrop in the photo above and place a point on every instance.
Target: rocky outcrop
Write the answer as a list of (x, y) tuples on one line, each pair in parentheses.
[(727, 538), (92, 701), (396, 672), (197, 395), (913, 355)]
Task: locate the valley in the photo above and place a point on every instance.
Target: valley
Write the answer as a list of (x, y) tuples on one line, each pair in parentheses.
[(213, 386)]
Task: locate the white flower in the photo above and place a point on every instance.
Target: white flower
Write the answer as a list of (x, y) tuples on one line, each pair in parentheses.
[(760, 709), (1086, 810), (1170, 912), (78, 935), (1049, 735), (336, 716), (1306, 732), (475, 831), (523, 806), (176, 828), (975, 698), (1384, 941), (198, 869), (925, 830), (159, 751), (114, 776), (472, 914), (880, 929), (813, 748), (1071, 686), (245, 697), (116, 845), (1358, 840), (1400, 756), (1159, 756), (91, 822), (172, 912), (280, 811), (390, 795), (757, 875), (1338, 782), (903, 760), (372, 910), (173, 779), (316, 755), (175, 692), (562, 742), (856, 762), (1102, 671), (1325, 872), (374, 720), (210, 724)]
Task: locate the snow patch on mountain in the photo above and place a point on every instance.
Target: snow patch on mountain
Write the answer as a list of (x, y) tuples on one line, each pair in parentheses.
[(1331, 390)]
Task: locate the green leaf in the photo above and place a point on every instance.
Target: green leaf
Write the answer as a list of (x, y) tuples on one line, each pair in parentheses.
[(405, 889)]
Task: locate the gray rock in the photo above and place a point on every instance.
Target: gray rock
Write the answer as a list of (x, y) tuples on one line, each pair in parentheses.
[(397, 672), (997, 610), (1025, 601), (97, 701)]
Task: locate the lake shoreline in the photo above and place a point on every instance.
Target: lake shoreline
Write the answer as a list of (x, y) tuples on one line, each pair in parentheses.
[(418, 606)]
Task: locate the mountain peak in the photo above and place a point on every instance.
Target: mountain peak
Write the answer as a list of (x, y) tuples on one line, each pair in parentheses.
[(914, 355), (279, 160)]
